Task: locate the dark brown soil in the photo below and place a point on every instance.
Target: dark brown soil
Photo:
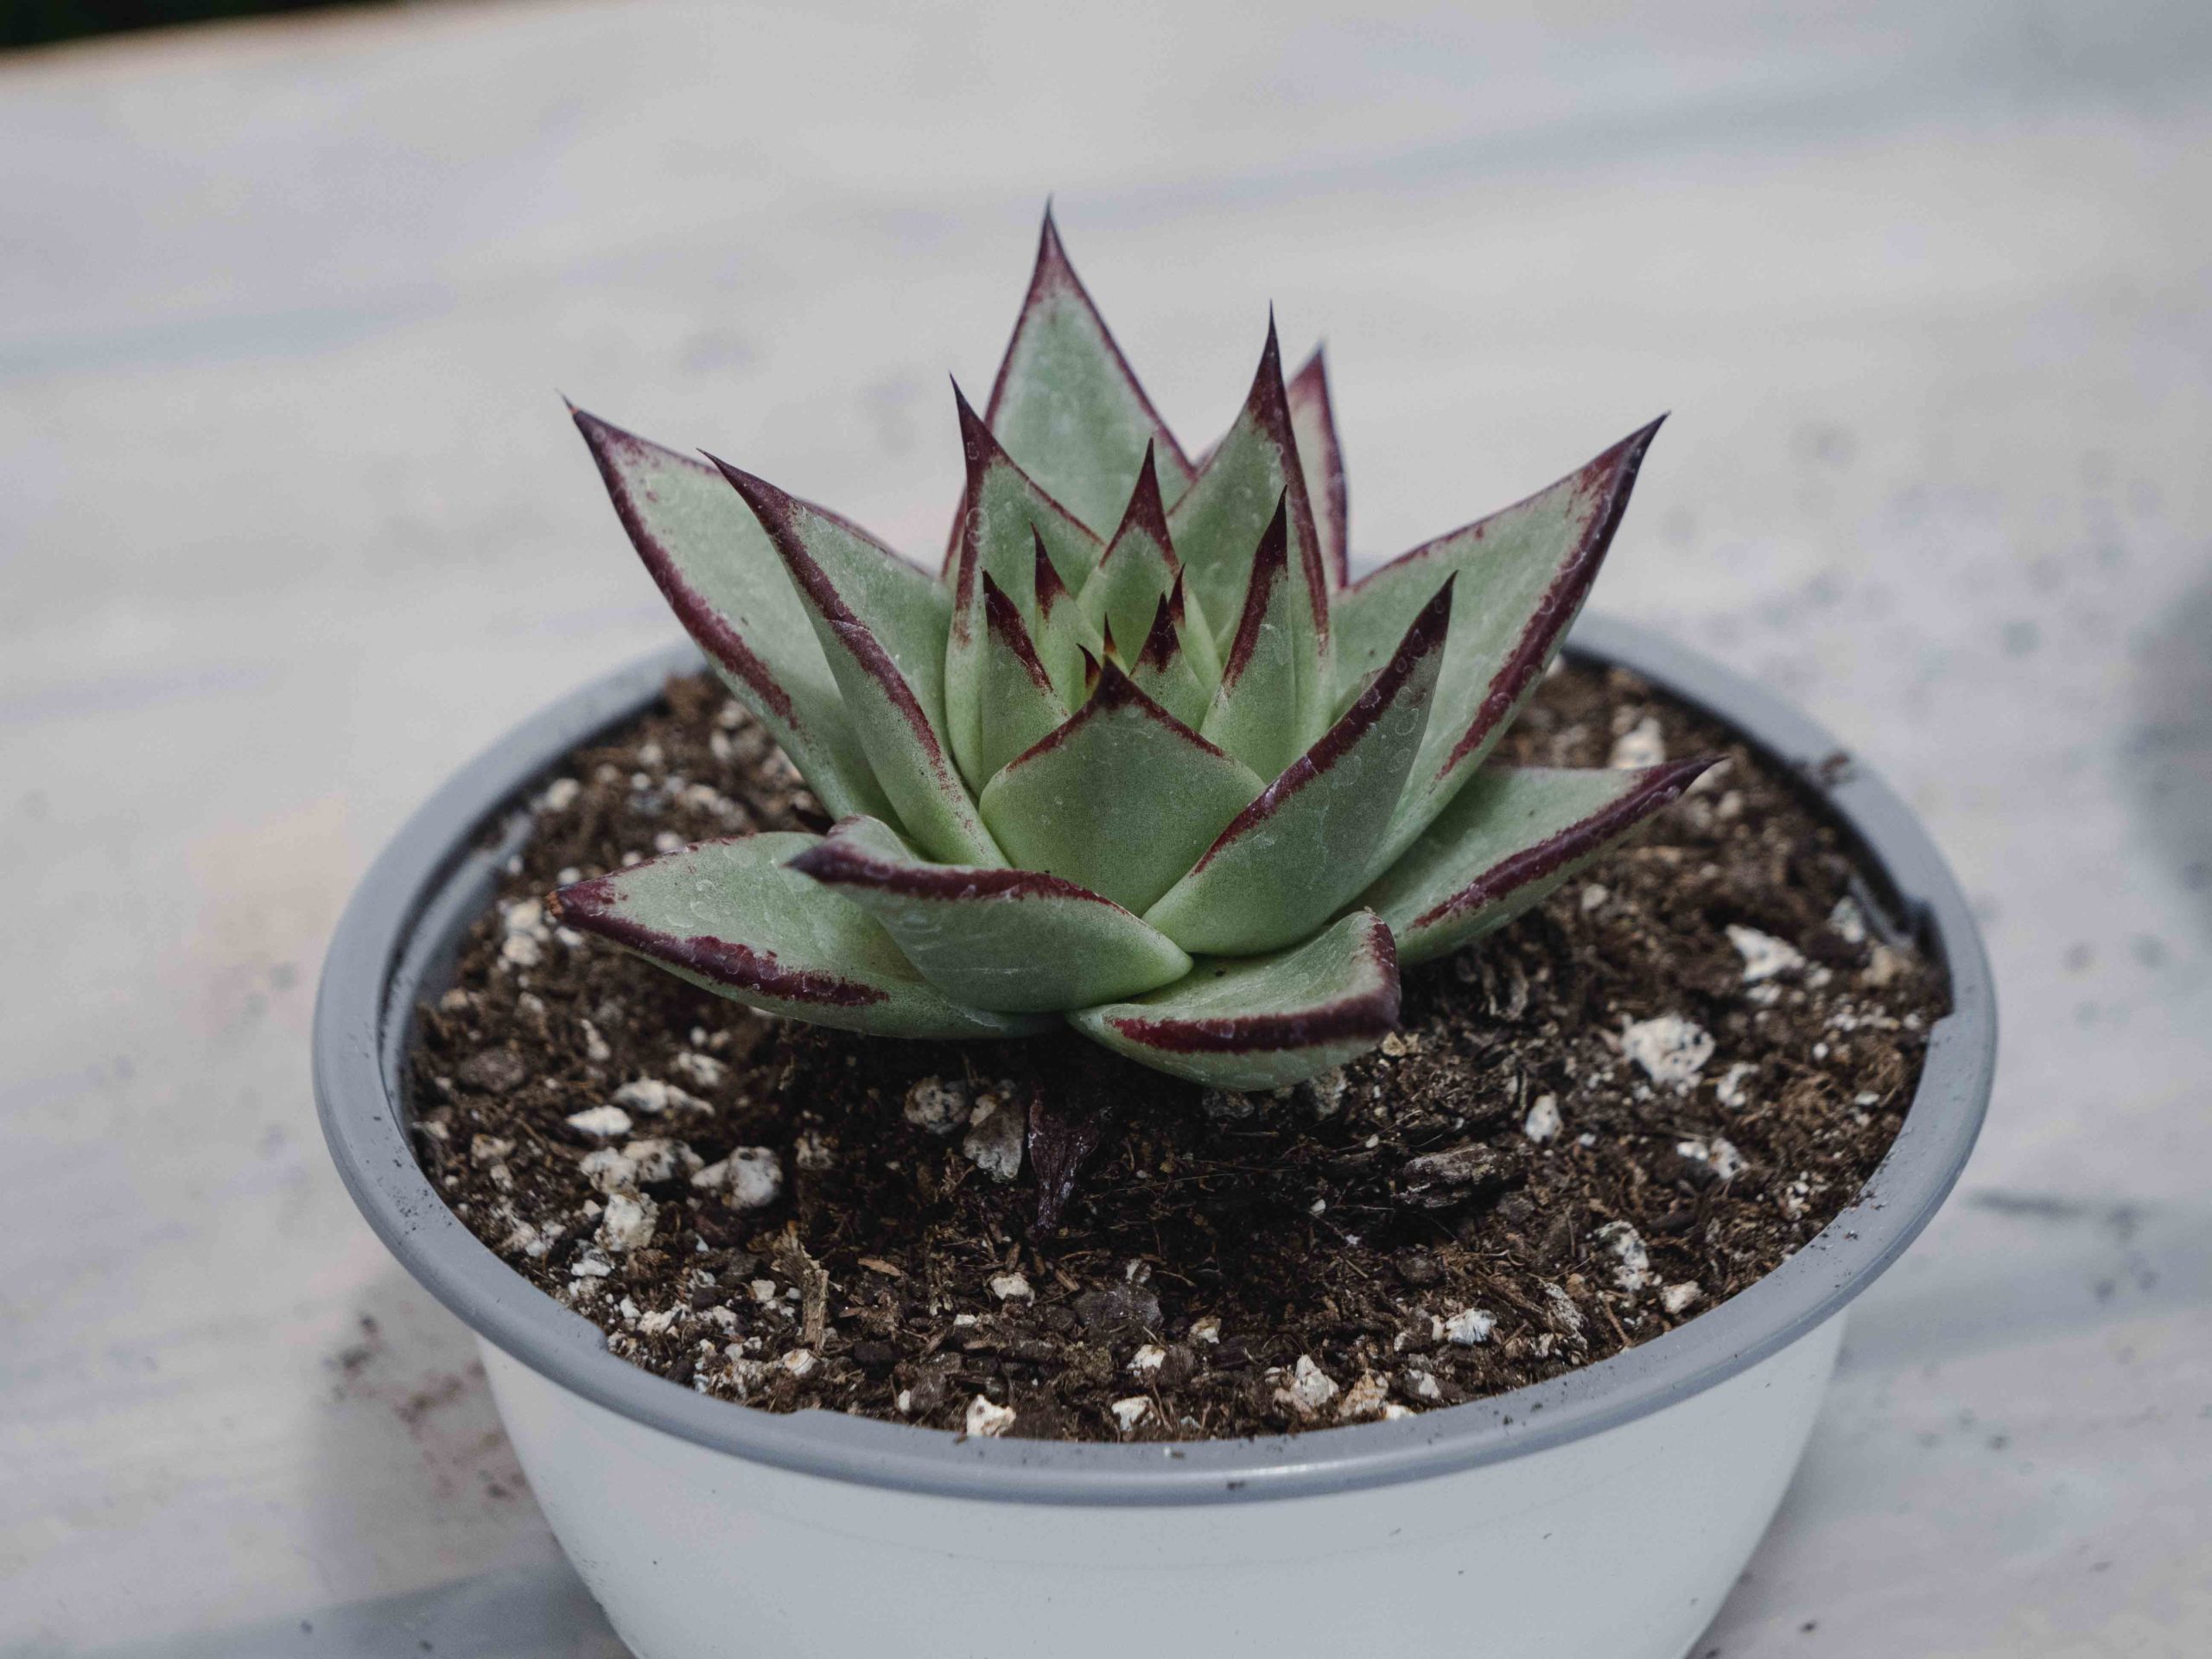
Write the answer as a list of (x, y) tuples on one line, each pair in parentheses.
[(1394, 1238)]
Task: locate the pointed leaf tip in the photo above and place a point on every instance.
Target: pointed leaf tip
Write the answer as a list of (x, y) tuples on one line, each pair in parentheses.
[(1160, 645), (1066, 402), (1313, 423), (722, 576), (1533, 563), (1147, 512), (883, 626), (1219, 521), (1509, 839), (728, 917), (1006, 625)]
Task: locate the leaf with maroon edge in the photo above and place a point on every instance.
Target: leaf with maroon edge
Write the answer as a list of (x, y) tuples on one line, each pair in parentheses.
[(728, 915), (1258, 712), (1313, 423), (1162, 670), (1218, 525), (1291, 858), (722, 577), (1524, 574), (1006, 522), (1507, 841), (882, 625), (1138, 570), (1018, 705), (1066, 402), (1122, 799), (1015, 941), (1263, 1022)]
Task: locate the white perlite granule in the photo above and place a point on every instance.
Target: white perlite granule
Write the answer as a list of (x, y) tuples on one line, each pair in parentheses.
[(1765, 955), (1634, 1272), (1642, 745), (751, 1178), (1128, 1412), (1311, 1388), (1011, 1287), (1678, 1298), (936, 1105), (1671, 1049), (1364, 1399), (703, 1069), (987, 1422), (1544, 1119), (1729, 1091), (995, 1136), (1468, 1327), (653, 1096), (606, 1122), (1719, 1154), (629, 1221)]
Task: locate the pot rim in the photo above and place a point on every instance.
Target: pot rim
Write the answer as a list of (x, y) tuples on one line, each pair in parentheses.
[(434, 877)]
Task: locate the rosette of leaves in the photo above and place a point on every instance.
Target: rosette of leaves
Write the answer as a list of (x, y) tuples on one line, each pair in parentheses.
[(1143, 760)]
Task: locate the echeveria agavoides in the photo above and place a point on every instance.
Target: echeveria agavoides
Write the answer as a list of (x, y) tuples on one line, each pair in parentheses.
[(1144, 761)]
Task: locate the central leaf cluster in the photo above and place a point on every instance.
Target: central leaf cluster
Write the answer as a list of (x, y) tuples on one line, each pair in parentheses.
[(1142, 756)]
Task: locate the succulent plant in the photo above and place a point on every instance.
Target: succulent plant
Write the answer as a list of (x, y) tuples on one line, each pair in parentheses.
[(1143, 760)]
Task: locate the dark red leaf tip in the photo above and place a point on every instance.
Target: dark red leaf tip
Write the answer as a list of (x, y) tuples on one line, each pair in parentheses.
[(1005, 624), (1051, 590), (1162, 643), (771, 505), (1270, 563), (1003, 618), (715, 634), (1655, 787), (977, 445), (1147, 514)]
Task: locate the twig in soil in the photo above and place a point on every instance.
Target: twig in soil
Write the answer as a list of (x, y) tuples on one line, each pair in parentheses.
[(1065, 1130)]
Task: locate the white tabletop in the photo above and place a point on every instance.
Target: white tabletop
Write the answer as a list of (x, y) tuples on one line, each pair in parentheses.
[(292, 523)]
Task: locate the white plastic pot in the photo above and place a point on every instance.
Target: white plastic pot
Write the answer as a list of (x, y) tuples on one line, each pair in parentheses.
[(1599, 1516)]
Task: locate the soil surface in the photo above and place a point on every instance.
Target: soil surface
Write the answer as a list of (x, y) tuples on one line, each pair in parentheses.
[(1594, 1126)]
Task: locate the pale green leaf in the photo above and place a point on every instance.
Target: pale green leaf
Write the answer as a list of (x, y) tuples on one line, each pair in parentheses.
[(1162, 669), (1122, 799), (1309, 842), (1138, 570), (882, 624), (1257, 712), (1263, 1022), (728, 916), (1313, 423), (1019, 706), (1506, 841), (1522, 575), (1019, 941), (1217, 526), (1066, 402), (727, 584)]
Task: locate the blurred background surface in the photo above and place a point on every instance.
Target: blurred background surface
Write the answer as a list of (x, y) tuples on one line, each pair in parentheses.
[(292, 523)]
